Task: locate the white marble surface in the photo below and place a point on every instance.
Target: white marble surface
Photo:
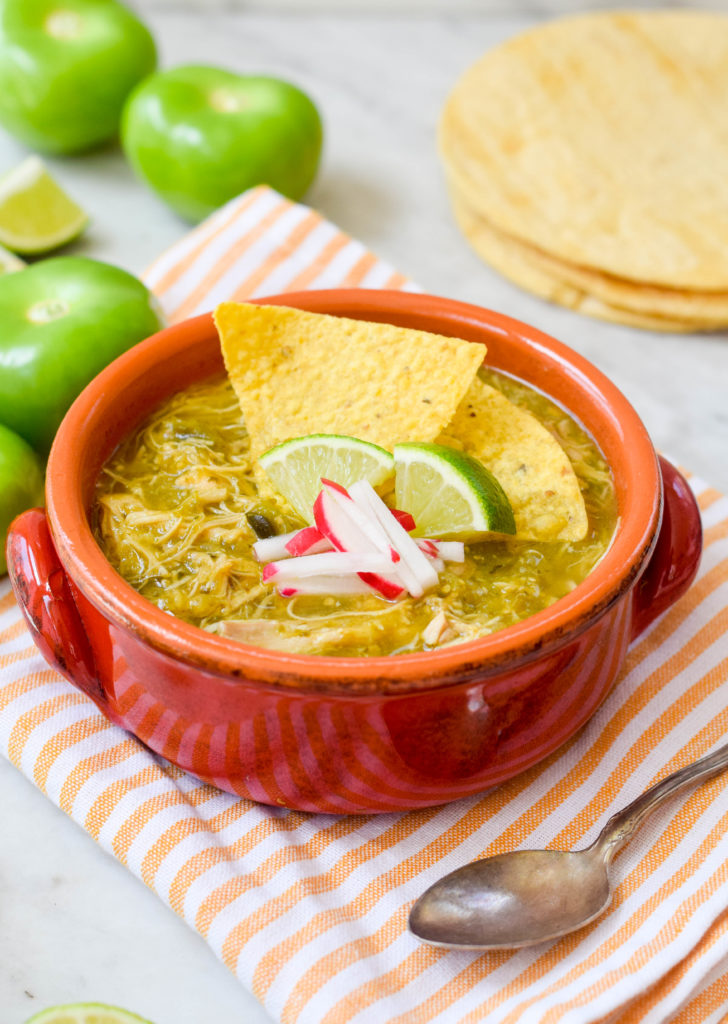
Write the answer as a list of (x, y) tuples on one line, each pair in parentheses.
[(73, 924), (413, 8)]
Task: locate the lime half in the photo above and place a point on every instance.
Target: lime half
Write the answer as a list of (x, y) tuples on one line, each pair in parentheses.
[(451, 495), (9, 262), (296, 467), (86, 1013), (36, 215)]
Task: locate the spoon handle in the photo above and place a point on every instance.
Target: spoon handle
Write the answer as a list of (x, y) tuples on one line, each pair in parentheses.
[(622, 825)]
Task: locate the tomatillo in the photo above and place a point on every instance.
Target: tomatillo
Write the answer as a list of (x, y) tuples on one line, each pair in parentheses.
[(21, 482), (201, 135), (66, 67), (63, 320)]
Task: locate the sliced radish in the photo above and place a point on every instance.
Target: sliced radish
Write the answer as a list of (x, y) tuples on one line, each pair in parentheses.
[(328, 564), (331, 585), (338, 519), (333, 523), (408, 577), (442, 550), (414, 560), (392, 584), (387, 586), (405, 519), (429, 547), (363, 521), (437, 563), (307, 541), (268, 548), (337, 487), (361, 498), (450, 550), (358, 545)]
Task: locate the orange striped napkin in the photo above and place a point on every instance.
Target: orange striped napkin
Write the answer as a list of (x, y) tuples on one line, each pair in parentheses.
[(310, 911)]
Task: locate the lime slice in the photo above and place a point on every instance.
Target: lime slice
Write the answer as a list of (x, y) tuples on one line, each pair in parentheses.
[(86, 1013), (36, 215), (9, 262), (451, 495), (296, 467)]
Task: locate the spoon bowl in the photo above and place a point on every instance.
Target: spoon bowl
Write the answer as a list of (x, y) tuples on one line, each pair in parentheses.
[(513, 899)]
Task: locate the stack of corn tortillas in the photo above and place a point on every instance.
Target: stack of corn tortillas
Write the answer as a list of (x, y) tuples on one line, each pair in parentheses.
[(587, 160)]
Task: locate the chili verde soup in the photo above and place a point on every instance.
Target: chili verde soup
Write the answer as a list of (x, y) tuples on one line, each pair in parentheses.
[(182, 503)]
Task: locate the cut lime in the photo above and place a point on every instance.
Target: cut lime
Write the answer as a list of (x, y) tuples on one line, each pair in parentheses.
[(86, 1013), (36, 215), (296, 467), (451, 495), (9, 262)]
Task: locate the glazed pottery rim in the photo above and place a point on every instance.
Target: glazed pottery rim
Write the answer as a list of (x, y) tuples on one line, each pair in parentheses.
[(100, 583)]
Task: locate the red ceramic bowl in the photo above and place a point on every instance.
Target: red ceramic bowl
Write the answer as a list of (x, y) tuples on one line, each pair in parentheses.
[(349, 734)]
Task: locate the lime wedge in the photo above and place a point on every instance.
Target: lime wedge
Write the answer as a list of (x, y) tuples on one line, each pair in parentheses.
[(451, 495), (36, 215), (296, 467), (9, 262), (86, 1013)]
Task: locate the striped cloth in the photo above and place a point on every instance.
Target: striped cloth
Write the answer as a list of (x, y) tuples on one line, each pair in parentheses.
[(310, 911)]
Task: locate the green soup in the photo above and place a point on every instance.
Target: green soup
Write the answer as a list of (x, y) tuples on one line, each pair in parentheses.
[(173, 512)]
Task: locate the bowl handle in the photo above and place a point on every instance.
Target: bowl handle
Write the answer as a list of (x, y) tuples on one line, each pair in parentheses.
[(675, 559), (44, 594)]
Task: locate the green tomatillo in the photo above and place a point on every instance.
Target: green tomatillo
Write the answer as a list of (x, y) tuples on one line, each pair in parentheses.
[(201, 135), (21, 482), (66, 68), (63, 320)]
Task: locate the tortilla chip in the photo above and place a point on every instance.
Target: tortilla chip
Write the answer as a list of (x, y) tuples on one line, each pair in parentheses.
[(297, 373), (528, 462)]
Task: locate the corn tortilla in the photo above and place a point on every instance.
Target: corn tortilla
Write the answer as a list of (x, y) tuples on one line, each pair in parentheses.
[(511, 260), (528, 462), (297, 373), (699, 310), (625, 173)]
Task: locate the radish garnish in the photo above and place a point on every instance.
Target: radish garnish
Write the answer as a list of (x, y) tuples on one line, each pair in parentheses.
[(331, 585), (450, 550), (346, 525), (333, 523), (358, 546), (386, 586), (268, 548), (327, 564), (405, 519), (427, 546), (339, 519), (423, 574), (437, 563), (441, 551), (336, 487), (307, 541)]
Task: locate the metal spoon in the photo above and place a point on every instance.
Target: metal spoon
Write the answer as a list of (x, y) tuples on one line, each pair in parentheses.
[(528, 896)]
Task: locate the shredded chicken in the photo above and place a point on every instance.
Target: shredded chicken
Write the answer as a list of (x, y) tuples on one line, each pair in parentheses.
[(438, 630), (208, 489), (434, 629), (300, 637)]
